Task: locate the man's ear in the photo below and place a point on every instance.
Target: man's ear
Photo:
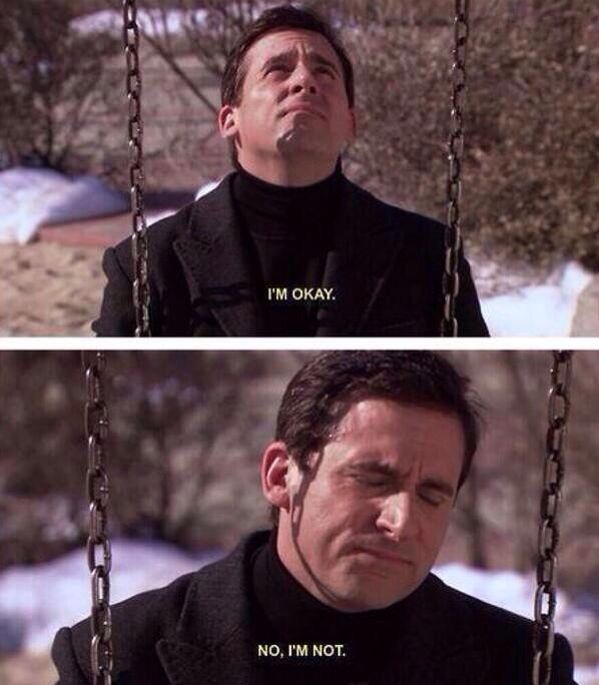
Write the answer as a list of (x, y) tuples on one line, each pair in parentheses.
[(274, 470), (227, 121)]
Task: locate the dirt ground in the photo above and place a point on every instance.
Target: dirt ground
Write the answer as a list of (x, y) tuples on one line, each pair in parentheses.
[(49, 289)]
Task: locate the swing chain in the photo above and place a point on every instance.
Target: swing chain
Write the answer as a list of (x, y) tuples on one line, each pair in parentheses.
[(453, 239), (558, 410), (96, 429), (139, 237)]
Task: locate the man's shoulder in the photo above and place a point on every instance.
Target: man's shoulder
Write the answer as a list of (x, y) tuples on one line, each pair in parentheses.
[(137, 623), (162, 233), (209, 595), (477, 611), (485, 642), (394, 216), (156, 612), (499, 629), (145, 615)]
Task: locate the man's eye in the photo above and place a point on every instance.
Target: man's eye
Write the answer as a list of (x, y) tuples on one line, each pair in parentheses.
[(326, 70), (431, 498), (277, 67), (370, 480)]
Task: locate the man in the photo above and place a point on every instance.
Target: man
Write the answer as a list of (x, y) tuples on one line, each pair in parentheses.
[(286, 245), (370, 452)]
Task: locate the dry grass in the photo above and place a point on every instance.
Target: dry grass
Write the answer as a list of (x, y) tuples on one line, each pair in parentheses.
[(49, 289)]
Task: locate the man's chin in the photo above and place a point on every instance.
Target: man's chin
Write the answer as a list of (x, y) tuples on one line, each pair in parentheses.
[(301, 140)]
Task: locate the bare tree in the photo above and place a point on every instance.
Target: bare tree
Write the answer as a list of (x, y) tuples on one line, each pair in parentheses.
[(53, 82)]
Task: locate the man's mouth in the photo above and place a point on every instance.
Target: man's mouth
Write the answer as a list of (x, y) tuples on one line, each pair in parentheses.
[(385, 555), (305, 109)]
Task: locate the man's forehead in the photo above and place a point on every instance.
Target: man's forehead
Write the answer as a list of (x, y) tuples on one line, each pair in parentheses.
[(430, 433), (290, 40), (371, 410)]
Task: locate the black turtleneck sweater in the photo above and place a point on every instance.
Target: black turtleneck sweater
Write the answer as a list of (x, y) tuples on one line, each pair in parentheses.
[(290, 230), (287, 614)]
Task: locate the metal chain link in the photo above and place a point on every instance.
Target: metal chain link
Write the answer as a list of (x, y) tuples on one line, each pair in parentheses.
[(545, 597), (139, 237), (96, 429), (453, 239)]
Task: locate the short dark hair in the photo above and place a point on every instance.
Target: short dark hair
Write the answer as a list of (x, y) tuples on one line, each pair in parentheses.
[(278, 19), (322, 392)]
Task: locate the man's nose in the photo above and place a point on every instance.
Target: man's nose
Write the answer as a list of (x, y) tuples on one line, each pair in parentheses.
[(302, 79), (398, 517)]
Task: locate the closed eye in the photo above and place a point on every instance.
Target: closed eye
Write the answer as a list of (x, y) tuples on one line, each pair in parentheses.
[(327, 71), (373, 481), (432, 497), (277, 67)]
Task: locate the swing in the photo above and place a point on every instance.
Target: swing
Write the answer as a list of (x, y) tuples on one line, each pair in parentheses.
[(96, 426), (545, 597), (139, 235)]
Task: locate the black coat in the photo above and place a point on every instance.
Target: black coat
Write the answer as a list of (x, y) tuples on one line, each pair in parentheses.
[(386, 269), (197, 631)]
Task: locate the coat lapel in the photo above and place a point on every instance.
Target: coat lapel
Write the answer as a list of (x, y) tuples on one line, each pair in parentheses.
[(217, 266), (366, 246), (212, 644)]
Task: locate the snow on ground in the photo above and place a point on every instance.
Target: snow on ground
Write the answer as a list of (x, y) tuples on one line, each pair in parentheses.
[(544, 309), (152, 22), (207, 188), (37, 600), (30, 198)]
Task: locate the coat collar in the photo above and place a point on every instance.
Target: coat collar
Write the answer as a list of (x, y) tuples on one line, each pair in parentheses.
[(213, 642), (216, 266), (215, 260)]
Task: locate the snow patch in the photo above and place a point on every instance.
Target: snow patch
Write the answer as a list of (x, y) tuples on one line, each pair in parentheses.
[(30, 198), (207, 188), (546, 309), (151, 22), (35, 601)]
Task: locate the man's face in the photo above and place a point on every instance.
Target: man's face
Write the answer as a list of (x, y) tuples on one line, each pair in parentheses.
[(374, 512), (293, 100)]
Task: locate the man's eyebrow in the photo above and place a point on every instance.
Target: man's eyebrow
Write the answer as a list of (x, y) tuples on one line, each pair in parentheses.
[(320, 59), (288, 55), (373, 466), (438, 484)]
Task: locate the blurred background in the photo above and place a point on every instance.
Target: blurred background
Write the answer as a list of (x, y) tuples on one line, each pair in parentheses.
[(531, 173), (187, 430)]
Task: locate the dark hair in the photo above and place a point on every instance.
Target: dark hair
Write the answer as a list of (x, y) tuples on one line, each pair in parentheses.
[(323, 391), (277, 19)]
